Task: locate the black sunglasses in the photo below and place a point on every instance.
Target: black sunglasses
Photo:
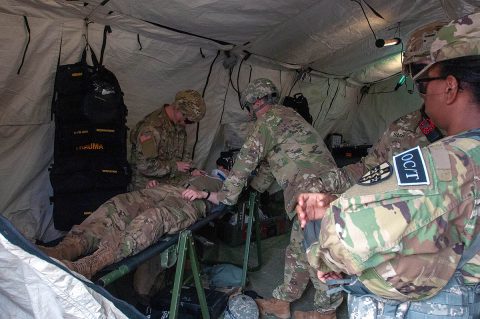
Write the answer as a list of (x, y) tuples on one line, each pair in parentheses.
[(422, 83)]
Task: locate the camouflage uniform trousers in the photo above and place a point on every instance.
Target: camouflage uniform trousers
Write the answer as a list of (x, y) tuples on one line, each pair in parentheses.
[(298, 273), (455, 300), (130, 222)]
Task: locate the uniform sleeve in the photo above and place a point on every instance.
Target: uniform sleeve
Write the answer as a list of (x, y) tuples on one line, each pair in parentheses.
[(146, 153), (264, 178), (378, 154), (370, 225), (257, 144)]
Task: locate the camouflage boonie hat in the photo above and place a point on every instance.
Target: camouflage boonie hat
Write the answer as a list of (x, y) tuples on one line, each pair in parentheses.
[(419, 44), (191, 104), (457, 39), (258, 89), (241, 307)]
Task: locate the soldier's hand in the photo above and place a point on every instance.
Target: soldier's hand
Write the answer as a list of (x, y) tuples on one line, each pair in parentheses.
[(183, 166), (312, 206), (192, 194), (331, 275), (198, 172), (152, 184)]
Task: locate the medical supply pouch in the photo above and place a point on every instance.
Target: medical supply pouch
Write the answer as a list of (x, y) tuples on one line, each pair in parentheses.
[(90, 140), (90, 151), (87, 94), (72, 209), (84, 175)]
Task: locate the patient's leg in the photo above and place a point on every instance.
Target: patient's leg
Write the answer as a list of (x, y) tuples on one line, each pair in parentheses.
[(170, 216), (110, 218)]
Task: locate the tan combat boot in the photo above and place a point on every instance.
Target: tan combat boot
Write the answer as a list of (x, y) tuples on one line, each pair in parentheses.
[(90, 265), (275, 307), (70, 248), (314, 315)]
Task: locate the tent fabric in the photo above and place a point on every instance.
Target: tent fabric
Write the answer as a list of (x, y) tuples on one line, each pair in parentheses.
[(159, 48), (324, 49), (35, 286)]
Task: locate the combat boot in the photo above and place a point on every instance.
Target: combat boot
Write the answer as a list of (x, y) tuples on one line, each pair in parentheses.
[(275, 307), (314, 315), (70, 248), (90, 265)]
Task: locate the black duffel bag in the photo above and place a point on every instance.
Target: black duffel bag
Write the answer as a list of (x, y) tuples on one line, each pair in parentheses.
[(299, 103), (87, 94)]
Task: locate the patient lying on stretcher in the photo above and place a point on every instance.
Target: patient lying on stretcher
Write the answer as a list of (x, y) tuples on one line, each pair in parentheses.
[(128, 223)]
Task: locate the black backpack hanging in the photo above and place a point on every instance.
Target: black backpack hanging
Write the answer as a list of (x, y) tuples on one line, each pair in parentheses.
[(300, 104), (90, 153)]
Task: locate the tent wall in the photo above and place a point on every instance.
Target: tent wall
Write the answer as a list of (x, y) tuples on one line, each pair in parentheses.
[(151, 66)]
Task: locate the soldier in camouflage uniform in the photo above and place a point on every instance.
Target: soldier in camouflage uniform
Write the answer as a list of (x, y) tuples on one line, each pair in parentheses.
[(290, 151), (159, 140), (128, 223), (411, 241), (406, 131)]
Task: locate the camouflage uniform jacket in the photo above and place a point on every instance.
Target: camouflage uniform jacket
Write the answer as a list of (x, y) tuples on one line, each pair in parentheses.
[(295, 153), (401, 135), (404, 242), (157, 144)]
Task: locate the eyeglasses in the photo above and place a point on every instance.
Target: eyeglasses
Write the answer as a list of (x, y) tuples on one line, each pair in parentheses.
[(422, 83)]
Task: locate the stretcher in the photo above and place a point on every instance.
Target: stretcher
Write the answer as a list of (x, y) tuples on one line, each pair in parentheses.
[(185, 245)]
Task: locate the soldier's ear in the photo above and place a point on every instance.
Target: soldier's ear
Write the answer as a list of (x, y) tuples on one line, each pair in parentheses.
[(451, 88)]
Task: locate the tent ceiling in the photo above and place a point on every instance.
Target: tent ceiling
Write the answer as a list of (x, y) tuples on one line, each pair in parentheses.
[(328, 36)]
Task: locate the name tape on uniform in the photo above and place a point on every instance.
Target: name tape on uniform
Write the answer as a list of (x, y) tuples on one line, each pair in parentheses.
[(410, 168)]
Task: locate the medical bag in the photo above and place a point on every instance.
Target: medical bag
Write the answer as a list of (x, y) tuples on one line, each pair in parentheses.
[(90, 151), (299, 103)]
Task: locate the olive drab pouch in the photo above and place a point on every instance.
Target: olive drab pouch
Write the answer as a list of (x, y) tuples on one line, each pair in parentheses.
[(299, 103)]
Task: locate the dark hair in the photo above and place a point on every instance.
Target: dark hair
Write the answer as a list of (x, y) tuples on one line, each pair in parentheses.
[(466, 70)]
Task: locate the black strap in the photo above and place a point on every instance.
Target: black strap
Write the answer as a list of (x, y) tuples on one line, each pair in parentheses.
[(106, 30), (26, 47), (203, 96), (55, 80), (470, 252)]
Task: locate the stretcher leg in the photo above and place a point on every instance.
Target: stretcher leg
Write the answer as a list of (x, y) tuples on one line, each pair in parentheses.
[(186, 245)]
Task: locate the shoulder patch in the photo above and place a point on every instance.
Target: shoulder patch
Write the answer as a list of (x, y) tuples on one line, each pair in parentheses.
[(148, 145), (145, 138), (410, 168), (376, 175)]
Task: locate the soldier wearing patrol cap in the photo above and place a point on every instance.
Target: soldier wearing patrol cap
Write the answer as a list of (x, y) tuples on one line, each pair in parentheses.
[(159, 140), (408, 235), (289, 150)]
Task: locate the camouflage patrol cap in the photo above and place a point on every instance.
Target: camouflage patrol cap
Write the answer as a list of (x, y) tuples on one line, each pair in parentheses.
[(457, 39), (258, 89), (191, 104), (241, 306), (419, 43)]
